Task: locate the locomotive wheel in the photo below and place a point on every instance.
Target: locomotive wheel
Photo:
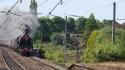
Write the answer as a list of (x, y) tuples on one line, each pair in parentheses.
[(22, 53), (28, 54)]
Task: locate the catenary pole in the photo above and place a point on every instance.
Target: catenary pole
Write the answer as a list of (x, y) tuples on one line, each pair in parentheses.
[(113, 24)]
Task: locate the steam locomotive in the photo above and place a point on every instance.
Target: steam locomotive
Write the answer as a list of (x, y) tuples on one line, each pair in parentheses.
[(25, 44)]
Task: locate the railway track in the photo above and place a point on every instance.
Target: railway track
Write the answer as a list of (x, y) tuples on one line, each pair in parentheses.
[(80, 67), (37, 64), (48, 65), (14, 61), (10, 62)]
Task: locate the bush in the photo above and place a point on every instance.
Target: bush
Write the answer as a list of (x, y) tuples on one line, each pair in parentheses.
[(39, 49), (103, 49), (51, 52), (57, 39), (54, 54), (92, 38), (37, 44)]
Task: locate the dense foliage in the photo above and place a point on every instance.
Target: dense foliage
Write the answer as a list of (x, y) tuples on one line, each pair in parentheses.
[(103, 49), (51, 34), (50, 51), (71, 25), (90, 26), (57, 39), (44, 31), (80, 24), (56, 24), (92, 38)]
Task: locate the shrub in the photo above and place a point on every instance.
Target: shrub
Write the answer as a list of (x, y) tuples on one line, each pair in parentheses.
[(57, 39), (37, 44), (92, 38), (51, 52), (102, 48)]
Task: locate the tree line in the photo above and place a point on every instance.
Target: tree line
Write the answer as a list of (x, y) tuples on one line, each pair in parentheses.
[(56, 24)]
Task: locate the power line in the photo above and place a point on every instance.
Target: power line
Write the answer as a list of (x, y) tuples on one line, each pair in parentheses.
[(35, 13), (9, 11), (14, 5), (4, 21), (120, 1), (60, 2), (120, 19), (75, 15)]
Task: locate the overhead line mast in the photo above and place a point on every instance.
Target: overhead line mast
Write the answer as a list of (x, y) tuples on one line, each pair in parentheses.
[(113, 24)]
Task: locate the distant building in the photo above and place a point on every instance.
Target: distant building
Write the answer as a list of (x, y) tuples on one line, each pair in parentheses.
[(120, 25)]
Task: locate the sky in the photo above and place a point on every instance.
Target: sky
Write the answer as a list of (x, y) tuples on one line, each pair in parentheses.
[(102, 9)]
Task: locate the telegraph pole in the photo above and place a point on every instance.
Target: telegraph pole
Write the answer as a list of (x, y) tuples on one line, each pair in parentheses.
[(113, 24), (65, 38), (41, 29), (65, 32)]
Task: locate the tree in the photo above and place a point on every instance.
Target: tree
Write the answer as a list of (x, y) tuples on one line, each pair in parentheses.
[(90, 26), (99, 24), (45, 28), (104, 23), (58, 24), (80, 24), (33, 4), (71, 25), (33, 8), (107, 22)]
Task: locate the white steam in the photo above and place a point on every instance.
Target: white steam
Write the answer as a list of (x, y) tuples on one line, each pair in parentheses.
[(13, 24)]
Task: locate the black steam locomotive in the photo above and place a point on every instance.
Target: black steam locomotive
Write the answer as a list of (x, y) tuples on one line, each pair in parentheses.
[(25, 44)]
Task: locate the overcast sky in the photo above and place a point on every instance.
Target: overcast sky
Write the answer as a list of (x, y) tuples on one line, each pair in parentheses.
[(102, 9)]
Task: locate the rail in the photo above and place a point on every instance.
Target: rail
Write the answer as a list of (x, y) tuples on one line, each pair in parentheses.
[(79, 67), (10, 62), (12, 65), (49, 66)]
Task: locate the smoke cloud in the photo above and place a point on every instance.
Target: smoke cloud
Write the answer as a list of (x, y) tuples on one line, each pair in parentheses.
[(12, 24)]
